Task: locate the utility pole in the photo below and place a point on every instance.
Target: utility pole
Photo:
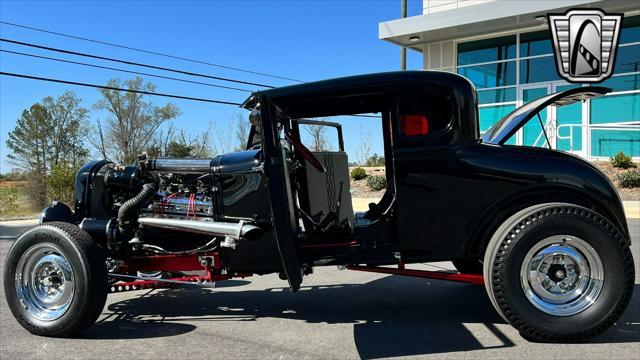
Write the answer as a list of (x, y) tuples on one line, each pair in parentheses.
[(403, 50)]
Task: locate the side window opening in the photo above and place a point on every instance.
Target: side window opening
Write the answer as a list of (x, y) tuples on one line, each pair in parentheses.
[(341, 144)]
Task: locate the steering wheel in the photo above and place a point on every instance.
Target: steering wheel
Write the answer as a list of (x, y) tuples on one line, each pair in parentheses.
[(305, 153)]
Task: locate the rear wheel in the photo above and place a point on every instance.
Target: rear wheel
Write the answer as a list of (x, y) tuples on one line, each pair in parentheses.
[(559, 272), (55, 280)]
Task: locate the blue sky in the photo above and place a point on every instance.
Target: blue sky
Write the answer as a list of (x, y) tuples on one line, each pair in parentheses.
[(307, 40)]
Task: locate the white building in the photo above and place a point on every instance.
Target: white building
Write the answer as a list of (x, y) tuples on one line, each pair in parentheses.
[(504, 48)]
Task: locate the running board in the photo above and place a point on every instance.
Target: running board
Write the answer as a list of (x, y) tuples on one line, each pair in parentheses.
[(440, 275)]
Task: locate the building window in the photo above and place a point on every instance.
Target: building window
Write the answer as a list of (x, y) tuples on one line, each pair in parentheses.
[(496, 95), (490, 75), (630, 30), (569, 124), (627, 59), (535, 43), (482, 51), (488, 114), (623, 83), (538, 69), (608, 142), (506, 78), (616, 109)]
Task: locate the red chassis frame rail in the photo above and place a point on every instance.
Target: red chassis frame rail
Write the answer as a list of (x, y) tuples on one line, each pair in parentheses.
[(440, 275), (209, 262)]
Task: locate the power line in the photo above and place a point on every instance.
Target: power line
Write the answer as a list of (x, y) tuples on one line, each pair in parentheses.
[(131, 63), (117, 89), (149, 51), (123, 70)]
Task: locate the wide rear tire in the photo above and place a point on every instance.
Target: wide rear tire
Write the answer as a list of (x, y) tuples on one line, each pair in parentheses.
[(55, 280), (559, 272)]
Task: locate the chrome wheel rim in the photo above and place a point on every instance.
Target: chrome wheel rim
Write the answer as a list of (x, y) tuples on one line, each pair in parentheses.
[(44, 282), (562, 275)]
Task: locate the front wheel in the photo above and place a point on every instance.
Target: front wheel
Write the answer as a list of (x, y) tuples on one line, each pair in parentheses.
[(559, 272), (55, 280)]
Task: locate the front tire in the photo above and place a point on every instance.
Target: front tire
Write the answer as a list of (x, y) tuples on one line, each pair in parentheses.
[(559, 272), (55, 280)]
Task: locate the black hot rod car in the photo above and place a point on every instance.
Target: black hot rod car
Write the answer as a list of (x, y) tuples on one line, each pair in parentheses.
[(543, 230)]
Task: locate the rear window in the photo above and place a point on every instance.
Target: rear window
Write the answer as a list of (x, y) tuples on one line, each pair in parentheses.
[(422, 115), (414, 124)]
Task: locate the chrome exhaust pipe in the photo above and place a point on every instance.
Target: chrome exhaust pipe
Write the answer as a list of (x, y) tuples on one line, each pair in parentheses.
[(235, 231), (183, 166)]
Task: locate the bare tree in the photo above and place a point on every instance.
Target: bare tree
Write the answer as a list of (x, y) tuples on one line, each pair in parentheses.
[(222, 138), (318, 134), (363, 152), (242, 131), (132, 123), (201, 144)]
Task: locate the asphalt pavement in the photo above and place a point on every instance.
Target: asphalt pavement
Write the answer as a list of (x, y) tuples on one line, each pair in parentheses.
[(336, 314)]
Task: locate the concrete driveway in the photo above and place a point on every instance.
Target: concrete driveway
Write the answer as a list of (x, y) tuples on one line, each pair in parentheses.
[(337, 314)]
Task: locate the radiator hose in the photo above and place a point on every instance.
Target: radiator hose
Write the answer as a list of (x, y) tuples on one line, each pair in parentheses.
[(130, 206)]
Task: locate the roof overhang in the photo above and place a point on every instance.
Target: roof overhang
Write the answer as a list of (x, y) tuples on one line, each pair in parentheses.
[(487, 18)]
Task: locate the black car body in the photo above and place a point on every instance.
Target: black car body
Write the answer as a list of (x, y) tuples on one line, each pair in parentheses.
[(451, 195)]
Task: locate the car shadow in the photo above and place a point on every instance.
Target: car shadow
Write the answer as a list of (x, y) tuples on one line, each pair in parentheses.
[(391, 316)]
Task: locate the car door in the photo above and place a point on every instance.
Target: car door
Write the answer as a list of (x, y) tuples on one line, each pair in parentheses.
[(280, 193)]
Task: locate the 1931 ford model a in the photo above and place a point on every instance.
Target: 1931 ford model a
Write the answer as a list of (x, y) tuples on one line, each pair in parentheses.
[(543, 230)]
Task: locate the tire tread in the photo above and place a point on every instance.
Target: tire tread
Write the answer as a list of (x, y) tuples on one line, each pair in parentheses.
[(505, 245)]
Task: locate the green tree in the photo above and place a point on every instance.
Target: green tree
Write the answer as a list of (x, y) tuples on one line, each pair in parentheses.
[(28, 140), (47, 133), (375, 160), (60, 182), (8, 200), (132, 123), (68, 129), (178, 149)]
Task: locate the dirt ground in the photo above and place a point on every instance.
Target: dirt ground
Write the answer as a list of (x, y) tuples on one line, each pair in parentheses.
[(359, 188), (612, 172)]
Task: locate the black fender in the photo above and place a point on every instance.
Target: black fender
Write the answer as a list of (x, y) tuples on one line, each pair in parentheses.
[(57, 211), (567, 179)]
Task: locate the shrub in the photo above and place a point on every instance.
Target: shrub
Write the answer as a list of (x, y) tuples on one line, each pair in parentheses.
[(629, 179), (376, 182), (8, 200), (375, 160), (622, 161), (60, 182), (358, 173)]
